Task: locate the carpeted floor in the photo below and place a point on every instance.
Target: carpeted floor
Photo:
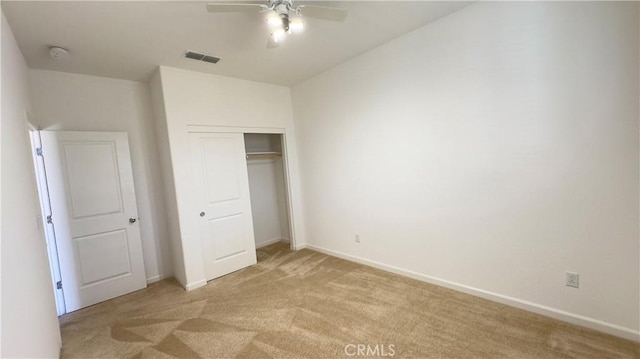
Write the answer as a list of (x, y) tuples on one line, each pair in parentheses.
[(307, 304)]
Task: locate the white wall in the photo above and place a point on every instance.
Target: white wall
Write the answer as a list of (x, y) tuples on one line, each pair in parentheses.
[(490, 151), (191, 98), (170, 201), (268, 191), (29, 321), (71, 102), (282, 200), (265, 184)]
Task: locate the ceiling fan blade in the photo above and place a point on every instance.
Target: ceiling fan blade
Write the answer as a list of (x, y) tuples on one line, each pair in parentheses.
[(323, 12), (271, 43), (229, 7)]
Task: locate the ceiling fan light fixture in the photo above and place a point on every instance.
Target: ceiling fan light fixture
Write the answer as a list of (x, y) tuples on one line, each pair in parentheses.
[(274, 20), (282, 16), (296, 25), (278, 35)]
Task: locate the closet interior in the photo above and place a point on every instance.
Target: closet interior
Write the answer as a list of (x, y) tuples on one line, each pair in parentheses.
[(268, 188)]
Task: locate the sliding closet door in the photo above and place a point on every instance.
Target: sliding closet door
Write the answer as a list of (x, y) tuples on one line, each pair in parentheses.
[(223, 203)]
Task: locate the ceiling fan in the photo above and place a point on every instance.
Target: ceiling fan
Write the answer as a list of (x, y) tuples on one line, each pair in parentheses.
[(282, 16)]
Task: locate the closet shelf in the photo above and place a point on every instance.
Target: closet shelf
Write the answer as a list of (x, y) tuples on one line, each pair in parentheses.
[(251, 155)]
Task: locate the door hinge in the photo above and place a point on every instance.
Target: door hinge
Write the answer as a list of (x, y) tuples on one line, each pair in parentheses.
[(49, 219), (59, 284), (39, 151)]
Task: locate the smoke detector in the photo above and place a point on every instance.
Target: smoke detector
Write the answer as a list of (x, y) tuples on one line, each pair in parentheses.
[(58, 53)]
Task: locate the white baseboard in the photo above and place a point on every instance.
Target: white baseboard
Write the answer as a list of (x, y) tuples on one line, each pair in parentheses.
[(270, 242), (157, 278), (564, 316), (191, 286), (195, 285), (302, 246)]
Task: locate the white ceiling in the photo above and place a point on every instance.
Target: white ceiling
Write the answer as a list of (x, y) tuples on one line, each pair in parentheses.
[(128, 40)]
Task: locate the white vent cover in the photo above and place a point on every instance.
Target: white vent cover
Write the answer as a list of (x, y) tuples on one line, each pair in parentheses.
[(201, 57)]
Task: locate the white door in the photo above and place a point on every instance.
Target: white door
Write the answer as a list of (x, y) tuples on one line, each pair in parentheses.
[(95, 215), (223, 205)]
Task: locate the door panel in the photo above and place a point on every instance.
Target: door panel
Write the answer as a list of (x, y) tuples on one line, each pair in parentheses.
[(219, 155), (231, 228), (92, 197), (223, 203), (92, 177), (103, 256)]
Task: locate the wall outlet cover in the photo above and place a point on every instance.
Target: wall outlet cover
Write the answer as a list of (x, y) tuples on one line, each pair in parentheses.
[(573, 280)]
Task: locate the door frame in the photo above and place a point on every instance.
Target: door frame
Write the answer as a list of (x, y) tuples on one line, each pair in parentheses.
[(285, 162), (45, 211)]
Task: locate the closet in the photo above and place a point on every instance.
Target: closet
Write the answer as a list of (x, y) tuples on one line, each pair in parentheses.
[(213, 214), (267, 187)]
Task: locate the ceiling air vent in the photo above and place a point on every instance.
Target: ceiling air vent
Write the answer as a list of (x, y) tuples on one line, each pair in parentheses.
[(201, 57)]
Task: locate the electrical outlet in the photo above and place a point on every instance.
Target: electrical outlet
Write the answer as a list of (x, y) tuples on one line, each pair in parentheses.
[(573, 280), (357, 238)]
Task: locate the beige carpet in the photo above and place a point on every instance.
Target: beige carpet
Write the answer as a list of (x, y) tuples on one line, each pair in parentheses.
[(307, 304)]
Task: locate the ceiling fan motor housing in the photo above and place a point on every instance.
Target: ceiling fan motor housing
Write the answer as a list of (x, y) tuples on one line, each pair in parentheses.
[(281, 6), (285, 21)]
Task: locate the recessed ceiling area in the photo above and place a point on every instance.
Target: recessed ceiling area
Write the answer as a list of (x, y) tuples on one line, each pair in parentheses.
[(129, 39)]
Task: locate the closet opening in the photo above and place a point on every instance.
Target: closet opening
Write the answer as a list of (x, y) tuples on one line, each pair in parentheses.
[(268, 188)]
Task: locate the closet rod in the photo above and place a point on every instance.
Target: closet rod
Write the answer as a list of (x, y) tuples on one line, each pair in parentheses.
[(262, 154)]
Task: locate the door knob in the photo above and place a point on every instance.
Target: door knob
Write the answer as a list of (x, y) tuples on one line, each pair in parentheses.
[(132, 220), (202, 214)]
